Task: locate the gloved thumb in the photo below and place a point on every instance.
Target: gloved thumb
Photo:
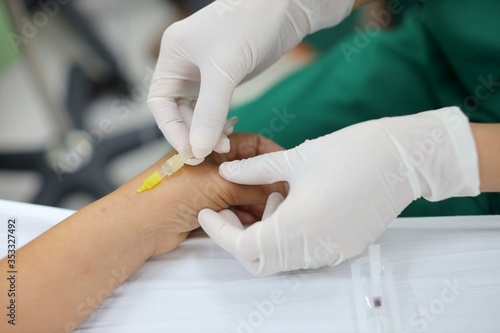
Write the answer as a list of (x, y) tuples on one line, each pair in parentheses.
[(273, 201), (225, 230), (264, 169), (210, 112)]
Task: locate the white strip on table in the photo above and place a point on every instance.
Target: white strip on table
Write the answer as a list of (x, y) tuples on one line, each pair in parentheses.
[(446, 273)]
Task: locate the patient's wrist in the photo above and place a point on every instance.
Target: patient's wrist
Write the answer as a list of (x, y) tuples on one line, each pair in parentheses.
[(153, 215), (124, 214)]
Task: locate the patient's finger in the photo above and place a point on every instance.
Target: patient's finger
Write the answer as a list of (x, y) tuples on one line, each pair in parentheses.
[(249, 214), (246, 145), (231, 218), (245, 216)]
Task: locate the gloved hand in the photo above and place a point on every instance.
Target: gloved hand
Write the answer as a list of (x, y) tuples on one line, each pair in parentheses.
[(346, 188), (204, 57)]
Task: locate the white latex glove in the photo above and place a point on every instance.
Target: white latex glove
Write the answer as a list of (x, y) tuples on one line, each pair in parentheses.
[(204, 57), (346, 188)]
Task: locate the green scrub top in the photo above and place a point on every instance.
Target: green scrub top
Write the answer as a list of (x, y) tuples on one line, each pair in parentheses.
[(444, 52)]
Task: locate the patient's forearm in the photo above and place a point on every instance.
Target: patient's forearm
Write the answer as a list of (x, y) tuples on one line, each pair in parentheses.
[(68, 271), (487, 137)]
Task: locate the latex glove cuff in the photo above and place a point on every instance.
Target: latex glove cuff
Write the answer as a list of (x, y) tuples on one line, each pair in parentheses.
[(438, 153), (321, 14)]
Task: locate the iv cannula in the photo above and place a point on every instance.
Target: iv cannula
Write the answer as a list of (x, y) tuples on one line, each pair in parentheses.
[(176, 162)]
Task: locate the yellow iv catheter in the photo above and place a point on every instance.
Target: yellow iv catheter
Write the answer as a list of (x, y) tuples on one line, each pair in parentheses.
[(175, 162)]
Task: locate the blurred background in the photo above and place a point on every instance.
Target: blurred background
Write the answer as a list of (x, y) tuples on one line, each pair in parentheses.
[(74, 78)]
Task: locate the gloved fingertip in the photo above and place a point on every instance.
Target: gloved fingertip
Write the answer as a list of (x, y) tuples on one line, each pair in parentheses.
[(202, 141), (194, 161), (276, 197), (273, 201), (287, 187), (223, 146), (228, 169), (200, 153), (205, 214), (231, 218), (229, 131)]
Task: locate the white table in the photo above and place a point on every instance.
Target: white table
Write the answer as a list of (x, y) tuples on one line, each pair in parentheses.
[(446, 273)]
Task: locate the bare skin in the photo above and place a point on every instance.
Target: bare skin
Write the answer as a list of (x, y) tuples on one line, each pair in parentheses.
[(359, 3), (487, 137), (68, 271)]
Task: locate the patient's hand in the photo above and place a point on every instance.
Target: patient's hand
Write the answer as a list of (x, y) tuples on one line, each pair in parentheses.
[(101, 245), (170, 210)]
